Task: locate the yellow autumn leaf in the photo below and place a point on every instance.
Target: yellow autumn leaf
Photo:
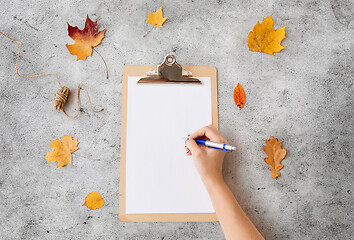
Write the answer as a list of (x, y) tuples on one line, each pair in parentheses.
[(264, 38), (156, 19), (93, 201), (62, 150)]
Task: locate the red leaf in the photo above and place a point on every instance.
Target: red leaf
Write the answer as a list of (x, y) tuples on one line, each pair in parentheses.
[(239, 96)]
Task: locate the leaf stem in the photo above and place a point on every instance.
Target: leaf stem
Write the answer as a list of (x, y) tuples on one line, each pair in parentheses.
[(116, 194), (103, 61), (93, 159), (148, 31)]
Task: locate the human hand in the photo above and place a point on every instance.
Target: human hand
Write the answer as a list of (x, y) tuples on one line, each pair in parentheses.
[(208, 161), (234, 222)]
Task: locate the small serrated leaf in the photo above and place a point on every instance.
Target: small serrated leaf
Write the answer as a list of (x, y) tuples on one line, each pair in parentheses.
[(85, 39), (156, 19), (62, 150), (264, 38)]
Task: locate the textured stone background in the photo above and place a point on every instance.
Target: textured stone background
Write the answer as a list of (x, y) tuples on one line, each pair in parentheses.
[(303, 96)]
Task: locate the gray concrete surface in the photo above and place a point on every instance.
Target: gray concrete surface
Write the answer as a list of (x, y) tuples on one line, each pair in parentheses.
[(303, 96)]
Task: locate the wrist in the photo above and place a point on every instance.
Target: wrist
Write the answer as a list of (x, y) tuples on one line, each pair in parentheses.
[(213, 181)]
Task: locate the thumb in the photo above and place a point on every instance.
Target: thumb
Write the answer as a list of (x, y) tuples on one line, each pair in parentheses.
[(193, 146)]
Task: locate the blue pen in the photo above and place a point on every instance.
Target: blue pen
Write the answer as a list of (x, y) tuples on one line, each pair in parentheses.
[(215, 145)]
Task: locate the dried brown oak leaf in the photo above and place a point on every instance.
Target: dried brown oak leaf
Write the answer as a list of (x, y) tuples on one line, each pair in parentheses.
[(275, 155)]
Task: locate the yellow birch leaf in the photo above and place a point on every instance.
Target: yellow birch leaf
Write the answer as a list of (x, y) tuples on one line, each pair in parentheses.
[(156, 19), (264, 38), (93, 201)]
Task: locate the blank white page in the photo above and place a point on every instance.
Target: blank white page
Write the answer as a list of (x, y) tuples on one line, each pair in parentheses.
[(160, 178)]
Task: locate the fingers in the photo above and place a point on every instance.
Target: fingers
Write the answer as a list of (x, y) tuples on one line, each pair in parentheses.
[(188, 152), (193, 147), (210, 132)]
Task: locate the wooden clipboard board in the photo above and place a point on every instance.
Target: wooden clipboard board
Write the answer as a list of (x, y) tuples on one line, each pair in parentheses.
[(198, 71)]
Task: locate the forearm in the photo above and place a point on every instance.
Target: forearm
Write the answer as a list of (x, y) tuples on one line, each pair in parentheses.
[(234, 222)]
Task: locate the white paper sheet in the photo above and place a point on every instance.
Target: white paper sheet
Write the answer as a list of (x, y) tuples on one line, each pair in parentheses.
[(160, 178)]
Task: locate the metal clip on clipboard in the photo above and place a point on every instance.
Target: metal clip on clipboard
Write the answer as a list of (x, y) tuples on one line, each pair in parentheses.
[(169, 71)]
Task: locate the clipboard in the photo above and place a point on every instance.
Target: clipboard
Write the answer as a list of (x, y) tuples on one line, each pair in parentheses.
[(173, 76)]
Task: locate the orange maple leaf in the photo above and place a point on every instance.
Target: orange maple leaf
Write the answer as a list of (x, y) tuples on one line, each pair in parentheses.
[(264, 38), (93, 201), (85, 39), (156, 19), (275, 155), (239, 96), (62, 150)]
